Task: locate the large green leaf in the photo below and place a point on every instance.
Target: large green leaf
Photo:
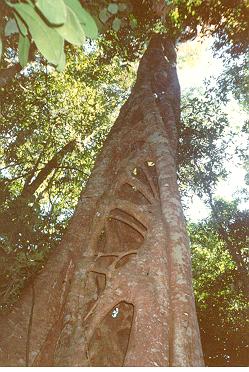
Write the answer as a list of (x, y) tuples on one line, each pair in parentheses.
[(11, 27), (72, 30), (21, 25), (47, 40), (84, 17), (23, 46), (53, 10), (61, 65), (89, 24)]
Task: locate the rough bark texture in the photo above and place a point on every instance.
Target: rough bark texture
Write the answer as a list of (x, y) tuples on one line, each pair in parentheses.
[(118, 290)]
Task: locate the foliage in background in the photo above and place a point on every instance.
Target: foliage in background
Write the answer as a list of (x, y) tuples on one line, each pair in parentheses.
[(52, 125), (235, 80), (126, 25), (220, 251), (205, 136), (226, 20)]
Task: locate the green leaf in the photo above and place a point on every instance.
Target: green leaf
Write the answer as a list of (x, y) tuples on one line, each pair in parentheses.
[(23, 46), (113, 8), (21, 25), (53, 10), (104, 15), (133, 23), (61, 65), (122, 7), (11, 27), (72, 30), (47, 40), (116, 24), (88, 24), (85, 18)]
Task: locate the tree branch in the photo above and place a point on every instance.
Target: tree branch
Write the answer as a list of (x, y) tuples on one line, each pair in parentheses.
[(29, 189)]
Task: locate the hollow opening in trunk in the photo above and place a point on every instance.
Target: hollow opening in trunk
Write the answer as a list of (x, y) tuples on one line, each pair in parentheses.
[(110, 341)]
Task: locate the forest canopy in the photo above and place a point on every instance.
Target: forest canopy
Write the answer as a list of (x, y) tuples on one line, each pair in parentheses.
[(66, 69)]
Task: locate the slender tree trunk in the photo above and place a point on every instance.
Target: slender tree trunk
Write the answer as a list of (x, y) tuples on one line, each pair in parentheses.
[(118, 290), (31, 186)]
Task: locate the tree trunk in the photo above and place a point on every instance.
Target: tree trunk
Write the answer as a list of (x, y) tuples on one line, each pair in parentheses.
[(118, 290)]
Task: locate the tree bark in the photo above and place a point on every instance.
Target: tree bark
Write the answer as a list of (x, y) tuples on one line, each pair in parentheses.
[(118, 290), (7, 74)]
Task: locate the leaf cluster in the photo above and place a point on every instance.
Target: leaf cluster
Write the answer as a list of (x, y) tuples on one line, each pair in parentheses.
[(126, 26), (48, 24), (204, 135), (222, 305)]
